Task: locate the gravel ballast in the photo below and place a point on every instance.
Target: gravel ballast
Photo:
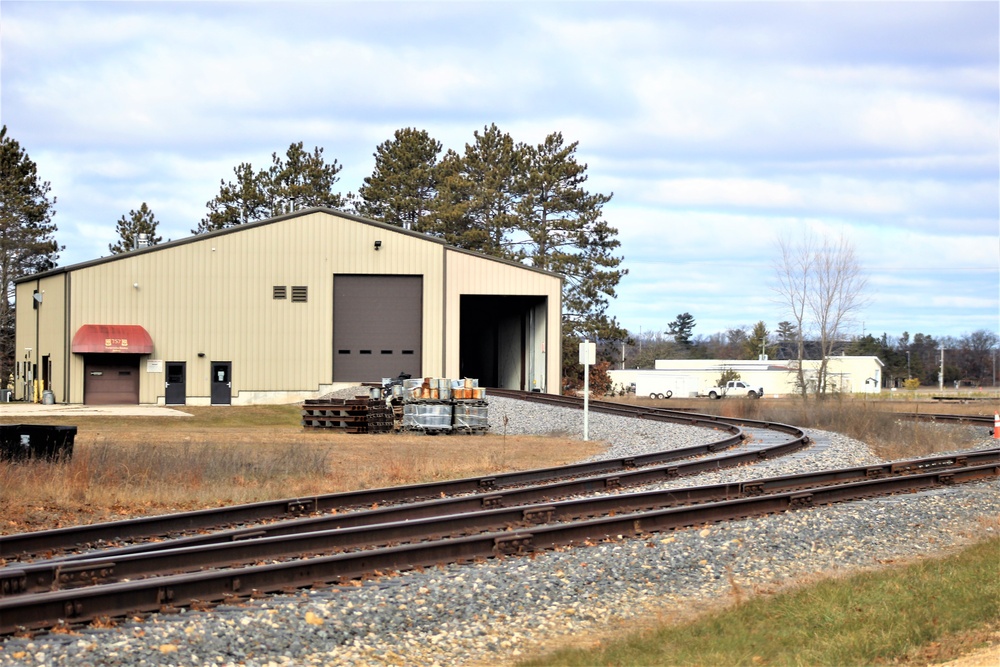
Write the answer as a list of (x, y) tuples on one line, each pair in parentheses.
[(503, 609)]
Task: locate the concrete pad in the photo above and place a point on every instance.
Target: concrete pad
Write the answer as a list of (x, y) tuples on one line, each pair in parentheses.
[(21, 409)]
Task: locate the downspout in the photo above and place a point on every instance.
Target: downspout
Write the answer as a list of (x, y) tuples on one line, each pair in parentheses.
[(444, 314), (67, 338), (37, 366)]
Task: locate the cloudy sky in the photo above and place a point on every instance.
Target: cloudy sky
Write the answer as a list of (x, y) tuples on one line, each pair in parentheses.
[(719, 127)]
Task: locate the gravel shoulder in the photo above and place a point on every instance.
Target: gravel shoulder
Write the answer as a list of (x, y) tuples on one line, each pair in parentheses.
[(494, 612)]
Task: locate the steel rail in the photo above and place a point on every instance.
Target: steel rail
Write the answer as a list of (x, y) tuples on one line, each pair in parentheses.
[(41, 610), (449, 520), (38, 542), (497, 498)]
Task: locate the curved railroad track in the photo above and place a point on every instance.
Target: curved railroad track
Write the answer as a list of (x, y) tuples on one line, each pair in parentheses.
[(478, 518)]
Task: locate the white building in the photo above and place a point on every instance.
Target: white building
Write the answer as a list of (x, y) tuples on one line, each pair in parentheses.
[(853, 375)]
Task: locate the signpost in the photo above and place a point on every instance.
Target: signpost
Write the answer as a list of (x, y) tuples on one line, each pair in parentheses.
[(588, 357)]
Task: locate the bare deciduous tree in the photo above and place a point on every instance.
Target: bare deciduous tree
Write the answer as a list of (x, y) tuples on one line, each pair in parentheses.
[(793, 271), (822, 284)]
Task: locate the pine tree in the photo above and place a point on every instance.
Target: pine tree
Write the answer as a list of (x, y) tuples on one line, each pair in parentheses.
[(27, 242), (301, 180), (131, 227), (451, 217), (479, 194), (787, 337), (404, 184), (757, 342), (237, 203), (566, 234), (681, 329)]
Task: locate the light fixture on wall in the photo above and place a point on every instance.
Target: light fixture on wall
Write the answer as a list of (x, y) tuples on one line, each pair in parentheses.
[(201, 354), (378, 245), (135, 285)]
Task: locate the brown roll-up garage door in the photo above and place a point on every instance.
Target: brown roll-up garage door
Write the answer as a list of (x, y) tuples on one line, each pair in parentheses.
[(111, 379), (377, 325)]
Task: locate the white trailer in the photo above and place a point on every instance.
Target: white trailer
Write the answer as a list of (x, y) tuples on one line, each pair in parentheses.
[(662, 385)]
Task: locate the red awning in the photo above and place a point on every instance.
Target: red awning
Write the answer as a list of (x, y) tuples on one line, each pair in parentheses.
[(121, 338)]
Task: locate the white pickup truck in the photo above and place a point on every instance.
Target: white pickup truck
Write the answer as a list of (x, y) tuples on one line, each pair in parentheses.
[(735, 388)]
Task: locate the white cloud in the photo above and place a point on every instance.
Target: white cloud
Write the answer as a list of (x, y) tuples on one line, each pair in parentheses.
[(717, 126)]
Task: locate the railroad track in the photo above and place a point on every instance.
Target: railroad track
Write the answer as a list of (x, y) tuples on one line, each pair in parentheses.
[(203, 570)]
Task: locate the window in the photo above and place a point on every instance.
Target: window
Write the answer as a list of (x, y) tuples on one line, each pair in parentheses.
[(300, 293), (280, 292)]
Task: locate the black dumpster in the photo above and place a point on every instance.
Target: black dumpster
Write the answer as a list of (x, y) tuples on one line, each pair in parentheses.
[(22, 442)]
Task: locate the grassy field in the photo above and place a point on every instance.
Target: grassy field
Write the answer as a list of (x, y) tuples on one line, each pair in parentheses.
[(876, 422)]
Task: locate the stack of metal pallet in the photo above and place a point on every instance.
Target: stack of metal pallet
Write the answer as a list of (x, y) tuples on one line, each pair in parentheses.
[(442, 405), (362, 414)]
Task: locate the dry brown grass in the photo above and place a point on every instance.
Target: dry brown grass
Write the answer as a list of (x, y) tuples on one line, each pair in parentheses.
[(131, 466), (879, 423)]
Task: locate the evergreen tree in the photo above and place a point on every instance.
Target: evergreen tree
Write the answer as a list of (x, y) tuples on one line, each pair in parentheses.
[(681, 329), (452, 220), (27, 242), (404, 184), (507, 200), (565, 233), (737, 343), (301, 180), (477, 206), (757, 342), (924, 358), (131, 227), (237, 203)]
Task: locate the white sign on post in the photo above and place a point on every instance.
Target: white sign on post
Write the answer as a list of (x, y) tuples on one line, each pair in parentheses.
[(588, 357)]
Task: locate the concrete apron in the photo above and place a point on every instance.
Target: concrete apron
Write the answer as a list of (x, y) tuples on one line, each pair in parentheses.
[(21, 409)]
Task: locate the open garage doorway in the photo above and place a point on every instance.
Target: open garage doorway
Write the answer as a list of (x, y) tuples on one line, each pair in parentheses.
[(502, 341)]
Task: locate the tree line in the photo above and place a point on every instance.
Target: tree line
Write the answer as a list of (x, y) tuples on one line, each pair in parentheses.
[(517, 201), (513, 200), (520, 202), (970, 359)]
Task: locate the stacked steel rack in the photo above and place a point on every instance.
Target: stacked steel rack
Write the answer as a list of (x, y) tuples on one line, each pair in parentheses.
[(350, 415)]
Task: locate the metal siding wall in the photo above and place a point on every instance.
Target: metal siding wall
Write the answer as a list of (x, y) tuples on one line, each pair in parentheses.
[(49, 337), (214, 295), (24, 327), (469, 274)]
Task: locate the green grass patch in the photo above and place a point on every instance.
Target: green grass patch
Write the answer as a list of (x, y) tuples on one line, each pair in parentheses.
[(879, 617)]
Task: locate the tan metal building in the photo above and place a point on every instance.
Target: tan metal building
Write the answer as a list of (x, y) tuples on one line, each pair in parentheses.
[(280, 310)]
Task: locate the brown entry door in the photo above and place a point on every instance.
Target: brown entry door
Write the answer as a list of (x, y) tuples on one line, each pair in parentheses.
[(111, 379)]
